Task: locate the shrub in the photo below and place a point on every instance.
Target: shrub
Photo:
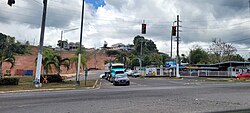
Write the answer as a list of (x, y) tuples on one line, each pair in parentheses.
[(9, 81), (52, 78)]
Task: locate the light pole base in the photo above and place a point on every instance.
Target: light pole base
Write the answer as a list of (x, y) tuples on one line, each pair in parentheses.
[(38, 85), (77, 83)]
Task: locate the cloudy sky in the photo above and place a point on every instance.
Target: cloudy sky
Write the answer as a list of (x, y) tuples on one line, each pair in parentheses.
[(119, 21)]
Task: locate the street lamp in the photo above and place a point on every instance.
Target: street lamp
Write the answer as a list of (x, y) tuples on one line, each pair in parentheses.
[(65, 31)]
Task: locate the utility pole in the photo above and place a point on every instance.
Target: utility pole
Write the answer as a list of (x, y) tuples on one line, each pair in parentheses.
[(171, 48), (178, 39), (249, 5), (61, 46), (40, 50), (80, 47), (141, 46)]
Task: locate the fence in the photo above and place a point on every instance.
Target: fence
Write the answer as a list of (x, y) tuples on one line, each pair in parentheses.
[(200, 73)]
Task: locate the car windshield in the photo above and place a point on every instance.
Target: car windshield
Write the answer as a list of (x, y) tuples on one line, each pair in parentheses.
[(121, 76), (119, 72)]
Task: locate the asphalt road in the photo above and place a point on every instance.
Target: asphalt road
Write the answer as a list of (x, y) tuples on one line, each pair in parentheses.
[(142, 96)]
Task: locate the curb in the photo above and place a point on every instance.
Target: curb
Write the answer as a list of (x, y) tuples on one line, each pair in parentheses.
[(36, 90), (51, 89)]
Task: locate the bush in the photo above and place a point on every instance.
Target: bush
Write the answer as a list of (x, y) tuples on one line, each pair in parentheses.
[(52, 78), (9, 81)]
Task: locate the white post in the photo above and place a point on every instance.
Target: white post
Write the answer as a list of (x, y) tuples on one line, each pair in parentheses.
[(38, 70), (198, 73), (78, 68), (177, 70), (161, 70)]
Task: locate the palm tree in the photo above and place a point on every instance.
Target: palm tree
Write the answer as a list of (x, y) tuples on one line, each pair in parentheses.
[(50, 59), (48, 56), (8, 47), (53, 59), (9, 59), (59, 61)]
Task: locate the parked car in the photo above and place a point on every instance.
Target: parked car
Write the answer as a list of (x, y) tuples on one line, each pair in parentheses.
[(121, 79), (102, 76), (114, 72), (129, 72), (243, 75), (136, 74)]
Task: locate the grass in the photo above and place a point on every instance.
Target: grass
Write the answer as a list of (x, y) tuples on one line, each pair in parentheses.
[(226, 80), (25, 83)]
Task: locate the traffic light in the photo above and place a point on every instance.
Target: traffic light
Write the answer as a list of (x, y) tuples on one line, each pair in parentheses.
[(173, 30), (143, 30), (10, 2)]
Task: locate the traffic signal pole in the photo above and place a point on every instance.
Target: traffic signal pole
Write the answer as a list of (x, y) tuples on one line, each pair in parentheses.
[(40, 50), (177, 51)]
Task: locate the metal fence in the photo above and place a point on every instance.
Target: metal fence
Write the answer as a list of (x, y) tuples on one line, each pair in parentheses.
[(201, 73)]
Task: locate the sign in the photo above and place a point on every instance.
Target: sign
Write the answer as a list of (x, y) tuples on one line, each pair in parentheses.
[(86, 71), (170, 64)]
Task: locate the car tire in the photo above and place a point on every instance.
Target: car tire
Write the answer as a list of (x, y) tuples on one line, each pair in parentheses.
[(128, 83)]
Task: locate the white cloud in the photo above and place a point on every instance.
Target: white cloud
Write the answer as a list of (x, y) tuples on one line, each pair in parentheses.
[(119, 21)]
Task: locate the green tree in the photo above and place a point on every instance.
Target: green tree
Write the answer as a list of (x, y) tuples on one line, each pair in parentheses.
[(165, 58), (148, 46), (222, 51), (59, 61), (8, 48), (198, 55), (151, 47), (139, 42), (155, 59), (236, 57), (111, 53), (184, 59), (48, 60)]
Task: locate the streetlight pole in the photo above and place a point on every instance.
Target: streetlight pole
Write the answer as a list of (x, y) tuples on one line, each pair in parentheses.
[(80, 47), (40, 50), (62, 32)]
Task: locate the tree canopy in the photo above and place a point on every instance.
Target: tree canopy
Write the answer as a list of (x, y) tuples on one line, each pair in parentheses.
[(8, 48), (198, 55), (148, 46)]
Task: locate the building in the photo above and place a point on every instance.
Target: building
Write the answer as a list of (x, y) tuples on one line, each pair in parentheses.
[(123, 47)]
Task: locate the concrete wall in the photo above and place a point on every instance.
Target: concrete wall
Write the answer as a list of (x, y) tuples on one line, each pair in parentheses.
[(27, 62)]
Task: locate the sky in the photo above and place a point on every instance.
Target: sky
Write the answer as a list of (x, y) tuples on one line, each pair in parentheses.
[(119, 21)]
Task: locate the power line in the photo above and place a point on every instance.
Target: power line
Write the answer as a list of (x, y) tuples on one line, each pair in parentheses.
[(37, 2)]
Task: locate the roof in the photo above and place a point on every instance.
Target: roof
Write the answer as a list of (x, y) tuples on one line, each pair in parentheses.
[(227, 64)]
